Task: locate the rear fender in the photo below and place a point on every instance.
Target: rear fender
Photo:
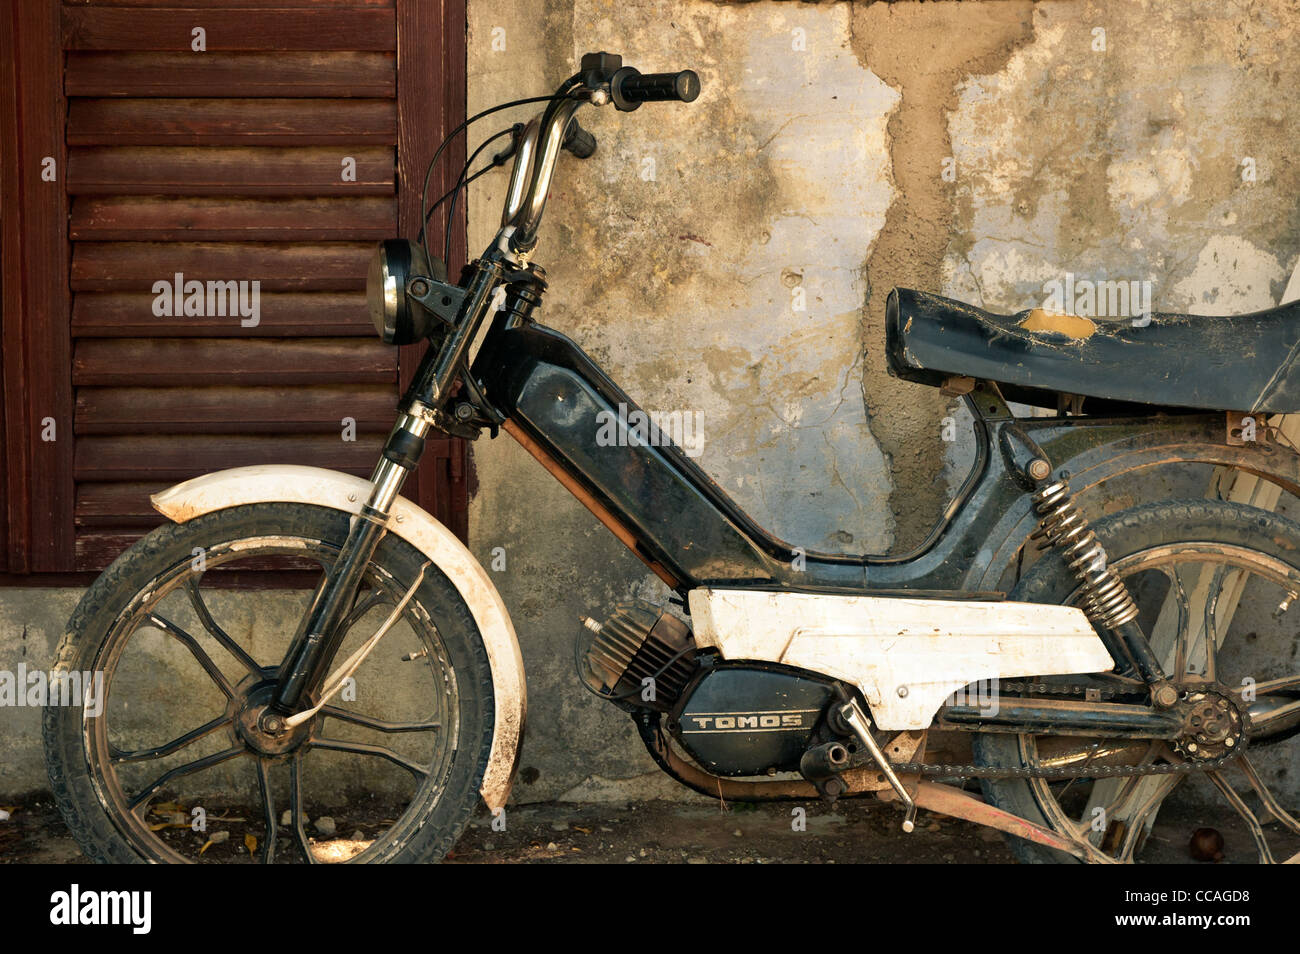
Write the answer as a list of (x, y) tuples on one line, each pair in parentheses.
[(1092, 452)]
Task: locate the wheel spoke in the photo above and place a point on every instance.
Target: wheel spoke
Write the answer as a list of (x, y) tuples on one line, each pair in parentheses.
[(366, 748), (217, 633), (157, 752), (1271, 685), (180, 771), (295, 807), (1271, 804), (360, 607), (268, 811), (1235, 800), (1156, 788), (190, 643), (1184, 615), (356, 718), (1210, 633)]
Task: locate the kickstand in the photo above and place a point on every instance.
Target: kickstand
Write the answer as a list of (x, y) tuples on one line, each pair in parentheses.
[(858, 722)]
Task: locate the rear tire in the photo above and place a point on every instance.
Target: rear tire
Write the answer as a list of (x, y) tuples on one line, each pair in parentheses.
[(1124, 535)]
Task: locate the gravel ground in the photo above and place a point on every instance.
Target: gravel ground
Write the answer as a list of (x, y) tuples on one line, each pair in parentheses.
[(661, 832)]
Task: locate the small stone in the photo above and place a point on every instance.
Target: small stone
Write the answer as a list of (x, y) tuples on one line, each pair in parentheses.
[(697, 860), (4, 815), (325, 825), (219, 837), (286, 818), (629, 858), (559, 826), (551, 846), (642, 852), (487, 846), (738, 833)]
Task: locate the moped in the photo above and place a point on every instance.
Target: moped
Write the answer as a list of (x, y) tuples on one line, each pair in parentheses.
[(1088, 666)]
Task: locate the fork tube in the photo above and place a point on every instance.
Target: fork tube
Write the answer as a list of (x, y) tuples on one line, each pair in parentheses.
[(318, 640), (436, 373)]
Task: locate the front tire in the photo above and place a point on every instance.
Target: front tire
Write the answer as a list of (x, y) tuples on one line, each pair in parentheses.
[(445, 753)]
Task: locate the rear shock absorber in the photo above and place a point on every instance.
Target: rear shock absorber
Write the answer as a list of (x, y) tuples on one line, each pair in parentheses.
[(1106, 599)]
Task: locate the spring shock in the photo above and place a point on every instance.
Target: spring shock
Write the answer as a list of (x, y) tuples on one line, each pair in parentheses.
[(1106, 599)]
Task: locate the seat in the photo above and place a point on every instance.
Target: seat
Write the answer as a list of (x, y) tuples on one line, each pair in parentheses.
[(1239, 363)]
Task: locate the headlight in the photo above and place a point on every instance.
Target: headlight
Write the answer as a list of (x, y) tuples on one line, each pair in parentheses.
[(397, 320)]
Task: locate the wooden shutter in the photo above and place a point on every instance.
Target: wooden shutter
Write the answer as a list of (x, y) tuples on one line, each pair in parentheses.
[(278, 154)]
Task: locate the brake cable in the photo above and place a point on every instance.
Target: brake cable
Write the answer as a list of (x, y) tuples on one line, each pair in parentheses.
[(516, 132), (498, 160), (465, 124)]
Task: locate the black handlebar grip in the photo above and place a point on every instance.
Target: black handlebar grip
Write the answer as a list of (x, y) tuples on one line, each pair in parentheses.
[(629, 89), (578, 141)]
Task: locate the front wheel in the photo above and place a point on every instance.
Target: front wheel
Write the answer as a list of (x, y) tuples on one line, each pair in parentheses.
[(169, 764), (1209, 577)]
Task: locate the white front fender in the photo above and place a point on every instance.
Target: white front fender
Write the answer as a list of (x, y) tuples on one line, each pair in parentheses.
[(288, 483)]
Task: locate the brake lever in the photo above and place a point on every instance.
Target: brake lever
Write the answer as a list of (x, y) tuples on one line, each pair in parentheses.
[(516, 135), (578, 142)]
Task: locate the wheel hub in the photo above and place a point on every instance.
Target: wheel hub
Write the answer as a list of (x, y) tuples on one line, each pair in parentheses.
[(1213, 725), (262, 728)]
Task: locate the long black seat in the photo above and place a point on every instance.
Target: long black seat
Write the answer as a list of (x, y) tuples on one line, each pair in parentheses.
[(1239, 363)]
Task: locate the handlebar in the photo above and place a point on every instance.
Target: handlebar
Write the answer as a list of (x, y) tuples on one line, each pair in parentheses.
[(602, 79), (629, 88)]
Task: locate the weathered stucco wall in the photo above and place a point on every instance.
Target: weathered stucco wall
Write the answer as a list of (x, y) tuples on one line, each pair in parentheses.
[(732, 257), (980, 150)]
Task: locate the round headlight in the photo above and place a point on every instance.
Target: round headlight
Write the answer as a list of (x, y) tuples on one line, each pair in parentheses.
[(396, 319)]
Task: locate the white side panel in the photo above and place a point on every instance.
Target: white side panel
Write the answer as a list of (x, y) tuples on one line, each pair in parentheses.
[(287, 483), (906, 655)]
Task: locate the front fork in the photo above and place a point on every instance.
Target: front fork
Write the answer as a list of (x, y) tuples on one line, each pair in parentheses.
[(321, 633), (318, 639)]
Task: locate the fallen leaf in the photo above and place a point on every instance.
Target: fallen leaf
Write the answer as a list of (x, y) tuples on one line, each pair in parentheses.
[(250, 843), (206, 845)]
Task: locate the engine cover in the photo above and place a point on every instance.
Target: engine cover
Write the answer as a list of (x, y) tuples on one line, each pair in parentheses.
[(749, 718)]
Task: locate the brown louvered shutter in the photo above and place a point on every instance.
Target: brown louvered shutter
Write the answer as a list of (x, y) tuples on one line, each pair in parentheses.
[(278, 154)]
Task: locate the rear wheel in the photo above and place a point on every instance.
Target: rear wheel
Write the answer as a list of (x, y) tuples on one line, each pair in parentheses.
[(170, 754), (1190, 565)]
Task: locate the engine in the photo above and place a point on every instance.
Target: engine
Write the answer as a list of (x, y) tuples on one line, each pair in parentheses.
[(733, 718), (639, 657)]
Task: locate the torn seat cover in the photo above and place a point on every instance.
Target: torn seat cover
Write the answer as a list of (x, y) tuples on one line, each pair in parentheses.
[(1243, 362)]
